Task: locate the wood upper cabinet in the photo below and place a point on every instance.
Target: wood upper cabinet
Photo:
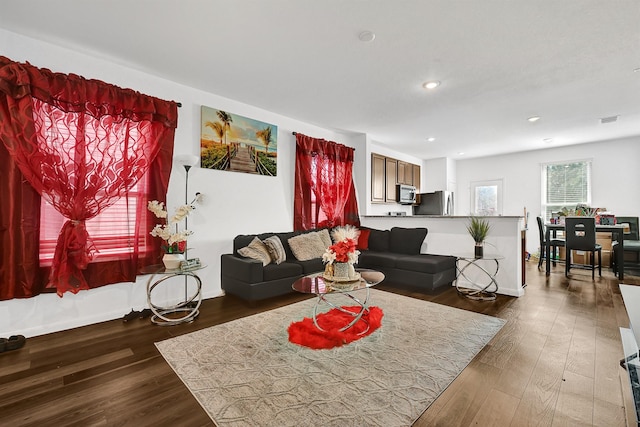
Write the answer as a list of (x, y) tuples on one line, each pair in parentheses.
[(377, 178), (386, 172), (416, 177), (391, 178), (405, 173)]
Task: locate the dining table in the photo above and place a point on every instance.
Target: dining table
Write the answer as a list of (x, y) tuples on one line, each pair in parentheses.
[(617, 232)]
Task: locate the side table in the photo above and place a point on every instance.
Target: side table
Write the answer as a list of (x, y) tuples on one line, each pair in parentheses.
[(184, 311), (475, 289)]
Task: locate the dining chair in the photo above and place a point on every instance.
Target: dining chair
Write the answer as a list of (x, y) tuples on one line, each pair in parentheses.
[(580, 234), (554, 243), (631, 241)]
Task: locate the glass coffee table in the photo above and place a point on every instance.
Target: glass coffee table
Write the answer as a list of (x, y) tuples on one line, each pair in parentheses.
[(323, 288)]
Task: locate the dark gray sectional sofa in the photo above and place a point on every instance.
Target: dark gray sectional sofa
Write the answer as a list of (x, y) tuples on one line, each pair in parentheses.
[(395, 252)]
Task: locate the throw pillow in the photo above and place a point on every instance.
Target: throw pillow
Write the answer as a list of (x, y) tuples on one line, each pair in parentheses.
[(256, 250), (379, 240), (363, 239), (325, 237), (407, 240), (275, 248), (307, 246)]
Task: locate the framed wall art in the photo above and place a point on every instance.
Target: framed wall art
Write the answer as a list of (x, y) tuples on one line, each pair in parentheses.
[(231, 142)]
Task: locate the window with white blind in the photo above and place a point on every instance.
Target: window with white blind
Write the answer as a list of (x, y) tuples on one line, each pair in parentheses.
[(565, 185), (113, 231)]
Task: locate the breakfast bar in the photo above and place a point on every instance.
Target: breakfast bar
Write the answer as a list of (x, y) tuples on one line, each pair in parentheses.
[(448, 235)]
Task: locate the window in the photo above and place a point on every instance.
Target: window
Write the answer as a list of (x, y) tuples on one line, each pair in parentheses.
[(565, 185), (324, 194), (486, 198), (113, 231)]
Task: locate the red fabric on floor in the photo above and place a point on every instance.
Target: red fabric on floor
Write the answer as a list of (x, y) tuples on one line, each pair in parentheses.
[(306, 334)]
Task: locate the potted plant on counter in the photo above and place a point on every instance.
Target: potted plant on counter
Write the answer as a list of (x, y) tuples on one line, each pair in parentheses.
[(478, 228)]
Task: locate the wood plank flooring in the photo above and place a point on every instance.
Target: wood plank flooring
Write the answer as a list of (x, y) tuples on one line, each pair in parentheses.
[(555, 363)]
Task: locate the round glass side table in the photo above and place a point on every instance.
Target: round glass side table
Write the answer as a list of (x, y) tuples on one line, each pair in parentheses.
[(473, 287), (184, 311)]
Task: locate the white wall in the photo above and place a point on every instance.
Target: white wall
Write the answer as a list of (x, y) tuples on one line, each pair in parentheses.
[(615, 173), (235, 203), (439, 174)]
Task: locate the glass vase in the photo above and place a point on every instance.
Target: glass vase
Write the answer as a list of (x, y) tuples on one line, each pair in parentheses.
[(479, 250)]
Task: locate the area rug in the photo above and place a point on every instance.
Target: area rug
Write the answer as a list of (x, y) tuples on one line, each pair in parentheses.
[(247, 373)]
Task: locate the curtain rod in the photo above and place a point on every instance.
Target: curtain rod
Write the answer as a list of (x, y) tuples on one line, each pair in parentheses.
[(179, 104), (294, 133)]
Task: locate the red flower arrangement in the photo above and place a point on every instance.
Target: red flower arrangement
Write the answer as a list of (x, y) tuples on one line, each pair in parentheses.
[(342, 249)]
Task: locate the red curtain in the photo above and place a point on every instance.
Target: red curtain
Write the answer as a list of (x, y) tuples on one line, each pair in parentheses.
[(323, 184), (81, 144)]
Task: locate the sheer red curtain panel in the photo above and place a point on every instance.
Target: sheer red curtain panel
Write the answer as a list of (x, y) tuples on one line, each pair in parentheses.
[(82, 145), (324, 191)]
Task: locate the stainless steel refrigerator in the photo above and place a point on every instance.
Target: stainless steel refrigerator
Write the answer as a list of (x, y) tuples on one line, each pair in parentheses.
[(436, 203)]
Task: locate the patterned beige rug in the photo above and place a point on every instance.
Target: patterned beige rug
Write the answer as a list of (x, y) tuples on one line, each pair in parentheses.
[(247, 373)]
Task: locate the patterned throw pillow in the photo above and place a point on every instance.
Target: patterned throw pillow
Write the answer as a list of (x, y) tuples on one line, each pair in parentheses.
[(275, 248), (256, 250), (307, 246)]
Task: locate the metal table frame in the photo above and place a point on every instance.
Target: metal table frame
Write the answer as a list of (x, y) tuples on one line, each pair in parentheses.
[(478, 291), (321, 287), (188, 308)]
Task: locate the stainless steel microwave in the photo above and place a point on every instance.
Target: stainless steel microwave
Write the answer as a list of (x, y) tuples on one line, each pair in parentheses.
[(405, 194)]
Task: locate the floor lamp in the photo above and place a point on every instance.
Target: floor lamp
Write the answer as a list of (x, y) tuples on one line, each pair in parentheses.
[(187, 161)]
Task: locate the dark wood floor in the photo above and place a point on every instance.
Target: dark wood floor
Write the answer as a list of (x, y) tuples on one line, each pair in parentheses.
[(554, 363)]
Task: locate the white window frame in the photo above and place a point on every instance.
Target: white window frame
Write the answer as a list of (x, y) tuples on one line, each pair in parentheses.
[(544, 203), (499, 184)]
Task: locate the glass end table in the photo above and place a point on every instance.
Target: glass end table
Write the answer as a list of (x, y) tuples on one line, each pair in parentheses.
[(184, 311), (472, 287)]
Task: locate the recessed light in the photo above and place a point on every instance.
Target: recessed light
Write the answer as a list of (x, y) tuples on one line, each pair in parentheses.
[(431, 85), (431, 139), (367, 36), (533, 119), (547, 140), (636, 70), (461, 153)]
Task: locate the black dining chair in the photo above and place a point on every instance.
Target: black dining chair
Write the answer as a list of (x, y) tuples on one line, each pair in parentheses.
[(580, 234), (554, 243), (631, 242)]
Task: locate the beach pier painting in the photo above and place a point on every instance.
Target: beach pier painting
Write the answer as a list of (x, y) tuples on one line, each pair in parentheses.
[(239, 144)]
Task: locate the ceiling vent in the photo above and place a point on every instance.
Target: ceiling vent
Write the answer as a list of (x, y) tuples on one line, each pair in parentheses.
[(609, 119)]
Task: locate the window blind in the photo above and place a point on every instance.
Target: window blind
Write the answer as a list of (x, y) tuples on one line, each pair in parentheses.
[(565, 185)]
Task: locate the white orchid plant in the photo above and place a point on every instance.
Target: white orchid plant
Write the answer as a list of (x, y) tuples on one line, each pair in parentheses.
[(175, 239)]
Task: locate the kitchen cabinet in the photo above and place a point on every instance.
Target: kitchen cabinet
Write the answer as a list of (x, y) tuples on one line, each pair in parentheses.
[(416, 177), (377, 178), (391, 179), (386, 172)]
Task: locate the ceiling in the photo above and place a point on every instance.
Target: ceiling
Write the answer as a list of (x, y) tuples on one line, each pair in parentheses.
[(570, 62)]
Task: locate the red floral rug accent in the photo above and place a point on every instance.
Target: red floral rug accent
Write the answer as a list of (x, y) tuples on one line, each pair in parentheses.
[(306, 334)]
